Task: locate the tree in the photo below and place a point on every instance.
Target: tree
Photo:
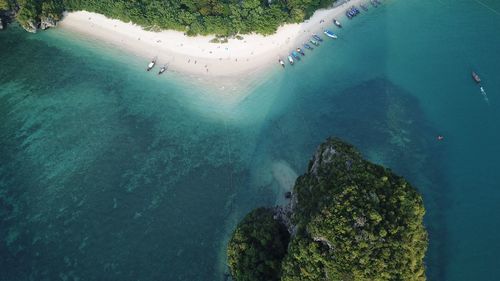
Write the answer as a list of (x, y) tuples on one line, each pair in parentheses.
[(4, 5), (257, 247), (219, 17), (354, 220)]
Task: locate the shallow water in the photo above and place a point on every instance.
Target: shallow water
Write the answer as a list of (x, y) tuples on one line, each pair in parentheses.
[(108, 172)]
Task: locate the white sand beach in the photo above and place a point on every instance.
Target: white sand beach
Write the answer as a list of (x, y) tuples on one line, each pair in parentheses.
[(196, 55)]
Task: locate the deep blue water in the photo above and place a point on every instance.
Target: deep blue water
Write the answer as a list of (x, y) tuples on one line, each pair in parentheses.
[(120, 175)]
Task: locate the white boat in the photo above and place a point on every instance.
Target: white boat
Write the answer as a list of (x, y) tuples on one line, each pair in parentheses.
[(476, 77), (281, 62), (337, 23), (151, 64), (290, 59), (163, 69), (330, 34)]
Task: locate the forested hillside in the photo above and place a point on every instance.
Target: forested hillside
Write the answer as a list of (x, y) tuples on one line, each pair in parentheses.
[(4, 5), (221, 17), (351, 220)]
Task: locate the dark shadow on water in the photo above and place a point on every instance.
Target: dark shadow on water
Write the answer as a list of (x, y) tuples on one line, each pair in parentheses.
[(388, 125)]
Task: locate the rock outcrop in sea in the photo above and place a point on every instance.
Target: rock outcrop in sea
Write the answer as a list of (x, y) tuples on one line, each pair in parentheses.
[(347, 219), (30, 26)]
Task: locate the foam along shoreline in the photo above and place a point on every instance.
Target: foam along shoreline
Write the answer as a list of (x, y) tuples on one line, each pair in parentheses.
[(196, 55)]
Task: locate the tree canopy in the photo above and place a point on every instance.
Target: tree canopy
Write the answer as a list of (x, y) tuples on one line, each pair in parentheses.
[(4, 5), (354, 220), (258, 243), (221, 17)]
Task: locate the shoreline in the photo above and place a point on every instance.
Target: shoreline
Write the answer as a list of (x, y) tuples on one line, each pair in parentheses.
[(227, 64)]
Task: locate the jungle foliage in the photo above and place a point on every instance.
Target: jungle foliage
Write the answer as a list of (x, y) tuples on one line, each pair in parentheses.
[(258, 243), (4, 5), (221, 17), (354, 220)]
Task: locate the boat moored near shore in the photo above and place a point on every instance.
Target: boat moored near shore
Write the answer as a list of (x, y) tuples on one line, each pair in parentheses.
[(163, 69), (151, 64), (314, 42), (330, 34), (352, 12), (337, 23), (290, 60), (307, 46), (281, 62), (317, 38)]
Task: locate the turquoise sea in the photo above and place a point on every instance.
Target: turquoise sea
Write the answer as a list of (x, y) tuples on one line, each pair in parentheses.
[(111, 173)]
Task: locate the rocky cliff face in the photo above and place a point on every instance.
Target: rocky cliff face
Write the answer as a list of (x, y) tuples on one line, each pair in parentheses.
[(47, 22), (30, 26), (44, 23)]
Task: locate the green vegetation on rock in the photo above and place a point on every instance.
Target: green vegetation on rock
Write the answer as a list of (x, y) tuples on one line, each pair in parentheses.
[(259, 243), (352, 220), (4, 5), (222, 17)]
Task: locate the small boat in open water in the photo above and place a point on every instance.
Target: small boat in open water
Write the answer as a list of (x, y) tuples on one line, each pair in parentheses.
[(290, 60), (314, 42), (476, 77), (330, 34), (299, 50), (337, 23), (281, 62), (307, 46), (317, 38), (163, 69)]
